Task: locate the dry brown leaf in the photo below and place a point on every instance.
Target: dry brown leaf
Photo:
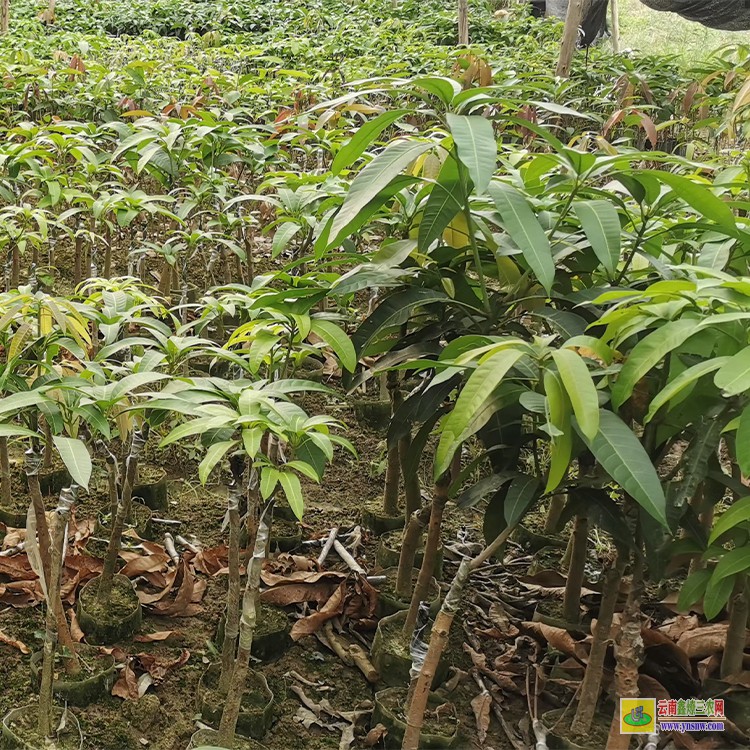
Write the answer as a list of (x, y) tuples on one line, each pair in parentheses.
[(676, 626), (212, 561), (159, 666), (375, 735), (145, 564), (708, 666), (561, 640), (661, 648), (481, 705), (161, 635), (126, 686), (181, 605), (75, 629), (333, 607), (20, 645), (299, 592), (301, 576), (706, 641)]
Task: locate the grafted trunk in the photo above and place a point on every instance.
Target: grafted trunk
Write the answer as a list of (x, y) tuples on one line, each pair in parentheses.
[(576, 570), (734, 649), (412, 535), (248, 622), (231, 627), (439, 500), (138, 441)]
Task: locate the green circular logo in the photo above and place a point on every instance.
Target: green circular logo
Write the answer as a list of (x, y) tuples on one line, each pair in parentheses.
[(637, 718)]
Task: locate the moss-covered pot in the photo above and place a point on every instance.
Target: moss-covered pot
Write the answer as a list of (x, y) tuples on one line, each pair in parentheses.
[(152, 492), (271, 638), (112, 623), (389, 603), (95, 680), (256, 710), (390, 703), (19, 729), (52, 481), (388, 553), (285, 536), (139, 521), (391, 657), (209, 738), (12, 518), (310, 369), (372, 413), (378, 522)]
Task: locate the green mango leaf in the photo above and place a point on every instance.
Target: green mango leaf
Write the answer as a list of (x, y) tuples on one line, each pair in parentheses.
[(12, 430), (742, 442), (293, 491), (647, 353), (17, 401), (698, 196), (214, 454), (682, 381), (522, 493), (480, 383), (338, 341), (580, 388), (693, 589), (445, 201), (623, 457), (476, 145), (734, 376), (364, 137), (735, 561), (374, 178), (737, 513), (75, 456), (601, 225), (525, 230), (717, 595), (283, 236), (561, 446), (394, 310)]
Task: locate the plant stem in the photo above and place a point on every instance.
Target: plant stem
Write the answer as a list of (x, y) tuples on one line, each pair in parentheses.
[(422, 587), (592, 679), (6, 494), (248, 622), (123, 513), (556, 507), (576, 570), (62, 514), (393, 468), (629, 648), (412, 490), (31, 465), (231, 627), (439, 639), (412, 534), (734, 648)]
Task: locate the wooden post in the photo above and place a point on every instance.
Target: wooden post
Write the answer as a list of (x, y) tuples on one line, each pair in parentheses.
[(463, 22), (4, 16), (615, 10), (570, 37)]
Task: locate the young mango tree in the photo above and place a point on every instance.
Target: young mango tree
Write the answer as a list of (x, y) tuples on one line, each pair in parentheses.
[(557, 389), (271, 442)]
